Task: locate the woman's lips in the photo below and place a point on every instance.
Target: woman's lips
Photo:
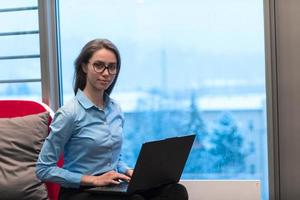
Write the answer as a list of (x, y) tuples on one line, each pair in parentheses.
[(104, 81)]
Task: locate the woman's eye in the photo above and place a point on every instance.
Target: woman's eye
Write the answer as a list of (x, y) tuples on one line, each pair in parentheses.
[(99, 65)]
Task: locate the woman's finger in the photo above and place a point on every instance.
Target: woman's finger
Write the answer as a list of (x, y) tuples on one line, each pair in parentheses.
[(115, 181)]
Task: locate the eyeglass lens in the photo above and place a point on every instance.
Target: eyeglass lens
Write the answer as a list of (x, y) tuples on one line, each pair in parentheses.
[(100, 66)]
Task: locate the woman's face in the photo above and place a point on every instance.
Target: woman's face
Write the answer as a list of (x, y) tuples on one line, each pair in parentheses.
[(101, 70)]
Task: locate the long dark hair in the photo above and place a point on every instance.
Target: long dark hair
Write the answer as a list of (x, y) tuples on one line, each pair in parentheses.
[(83, 58)]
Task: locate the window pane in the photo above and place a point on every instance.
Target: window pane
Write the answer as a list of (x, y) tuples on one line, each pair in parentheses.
[(30, 91), (19, 45), (17, 3), (11, 21), (192, 66), (20, 69)]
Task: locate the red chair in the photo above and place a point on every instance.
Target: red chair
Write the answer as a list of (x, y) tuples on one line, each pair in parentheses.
[(19, 108)]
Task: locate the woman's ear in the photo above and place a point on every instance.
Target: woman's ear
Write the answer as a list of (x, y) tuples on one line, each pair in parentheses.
[(84, 67)]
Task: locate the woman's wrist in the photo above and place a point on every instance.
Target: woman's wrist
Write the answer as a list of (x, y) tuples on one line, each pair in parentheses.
[(87, 180)]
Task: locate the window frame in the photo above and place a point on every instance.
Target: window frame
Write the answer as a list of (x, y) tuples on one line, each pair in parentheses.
[(50, 54)]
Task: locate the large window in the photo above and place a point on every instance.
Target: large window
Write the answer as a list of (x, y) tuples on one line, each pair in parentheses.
[(192, 66), (20, 75)]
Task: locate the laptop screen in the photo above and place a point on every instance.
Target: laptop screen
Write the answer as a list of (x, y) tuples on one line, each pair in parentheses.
[(160, 162)]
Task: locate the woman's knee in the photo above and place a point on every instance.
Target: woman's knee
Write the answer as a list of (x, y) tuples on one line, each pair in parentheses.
[(177, 192)]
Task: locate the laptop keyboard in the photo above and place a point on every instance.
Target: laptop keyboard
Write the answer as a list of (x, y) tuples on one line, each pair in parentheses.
[(120, 187)]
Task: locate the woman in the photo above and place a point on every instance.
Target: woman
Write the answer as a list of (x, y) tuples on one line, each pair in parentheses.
[(88, 130)]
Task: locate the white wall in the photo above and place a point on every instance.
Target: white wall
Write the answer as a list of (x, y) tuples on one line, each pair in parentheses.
[(222, 189)]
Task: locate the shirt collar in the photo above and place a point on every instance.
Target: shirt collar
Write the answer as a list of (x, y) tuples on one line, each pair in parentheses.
[(87, 103)]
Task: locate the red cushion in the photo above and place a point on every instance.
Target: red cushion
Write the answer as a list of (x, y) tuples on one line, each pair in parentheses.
[(19, 108)]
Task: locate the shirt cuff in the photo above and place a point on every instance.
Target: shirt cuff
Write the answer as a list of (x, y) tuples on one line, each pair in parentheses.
[(122, 168), (73, 180)]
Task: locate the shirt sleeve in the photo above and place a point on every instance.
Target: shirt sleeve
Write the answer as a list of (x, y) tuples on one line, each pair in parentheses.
[(122, 167), (46, 168)]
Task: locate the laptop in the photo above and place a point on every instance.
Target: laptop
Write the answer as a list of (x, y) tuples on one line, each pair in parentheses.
[(159, 163)]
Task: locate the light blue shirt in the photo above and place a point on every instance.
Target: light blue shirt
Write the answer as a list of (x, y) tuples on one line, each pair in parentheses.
[(90, 139)]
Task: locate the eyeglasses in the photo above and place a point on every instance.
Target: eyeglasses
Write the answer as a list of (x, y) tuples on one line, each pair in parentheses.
[(100, 66)]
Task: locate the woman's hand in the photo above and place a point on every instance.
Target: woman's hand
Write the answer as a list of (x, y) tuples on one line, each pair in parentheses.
[(107, 178)]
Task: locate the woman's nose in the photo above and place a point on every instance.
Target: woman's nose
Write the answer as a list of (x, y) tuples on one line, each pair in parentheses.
[(105, 72)]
